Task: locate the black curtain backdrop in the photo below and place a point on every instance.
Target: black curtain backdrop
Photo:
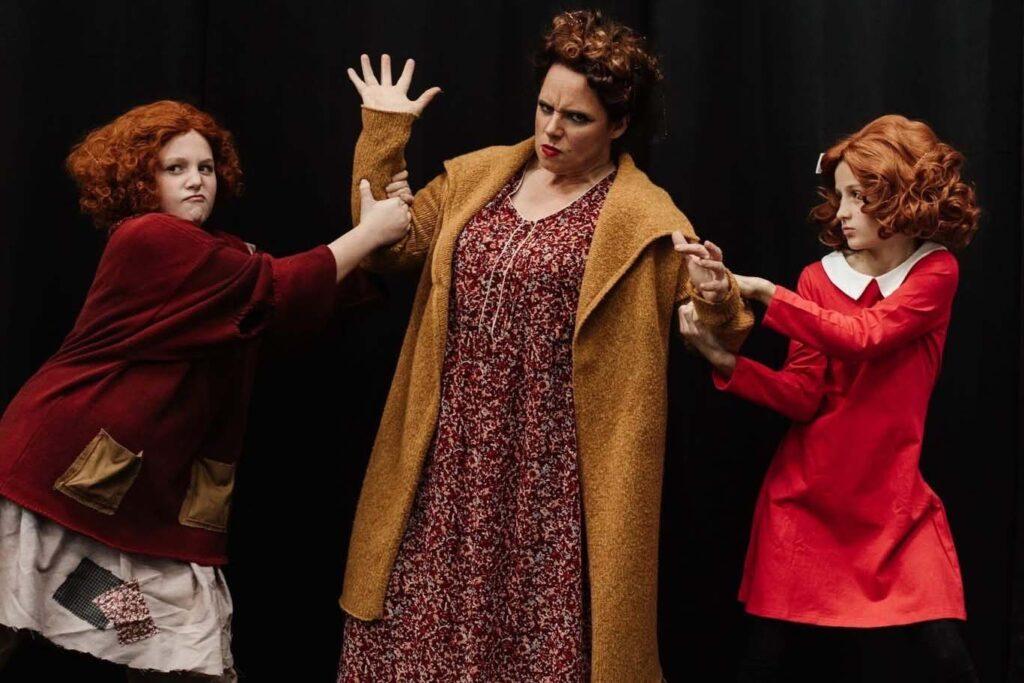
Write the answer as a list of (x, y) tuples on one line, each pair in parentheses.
[(754, 91)]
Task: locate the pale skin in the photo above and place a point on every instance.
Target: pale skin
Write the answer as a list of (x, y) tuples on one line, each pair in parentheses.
[(868, 253), (186, 181), (573, 138)]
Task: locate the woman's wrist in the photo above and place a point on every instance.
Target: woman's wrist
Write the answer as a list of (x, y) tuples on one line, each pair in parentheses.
[(766, 292), (383, 109)]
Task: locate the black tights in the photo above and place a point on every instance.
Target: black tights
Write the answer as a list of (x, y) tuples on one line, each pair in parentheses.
[(939, 643)]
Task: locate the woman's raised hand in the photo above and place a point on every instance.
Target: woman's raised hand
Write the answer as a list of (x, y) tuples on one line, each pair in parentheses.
[(384, 95)]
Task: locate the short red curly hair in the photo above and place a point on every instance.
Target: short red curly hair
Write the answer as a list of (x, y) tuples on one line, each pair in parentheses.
[(613, 57), (911, 182), (115, 165)]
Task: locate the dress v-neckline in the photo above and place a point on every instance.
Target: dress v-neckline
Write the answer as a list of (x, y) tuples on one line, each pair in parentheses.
[(519, 184)]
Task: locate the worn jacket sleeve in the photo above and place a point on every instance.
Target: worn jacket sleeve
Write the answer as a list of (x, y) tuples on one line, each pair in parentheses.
[(379, 155), (730, 319), (918, 306), (796, 390), (169, 291)]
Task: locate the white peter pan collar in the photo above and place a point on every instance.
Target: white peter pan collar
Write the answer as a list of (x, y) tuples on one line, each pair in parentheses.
[(853, 283)]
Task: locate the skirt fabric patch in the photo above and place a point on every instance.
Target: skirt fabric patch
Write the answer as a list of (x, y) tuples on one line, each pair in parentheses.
[(82, 586), (154, 614), (126, 608)]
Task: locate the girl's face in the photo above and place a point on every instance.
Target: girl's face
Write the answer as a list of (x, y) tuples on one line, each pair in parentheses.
[(860, 229), (572, 133), (186, 179)]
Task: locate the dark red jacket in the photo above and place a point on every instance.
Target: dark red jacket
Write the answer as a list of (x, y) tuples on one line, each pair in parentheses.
[(131, 431)]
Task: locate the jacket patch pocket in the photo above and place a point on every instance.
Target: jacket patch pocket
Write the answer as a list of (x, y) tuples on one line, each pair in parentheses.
[(208, 501), (101, 474)]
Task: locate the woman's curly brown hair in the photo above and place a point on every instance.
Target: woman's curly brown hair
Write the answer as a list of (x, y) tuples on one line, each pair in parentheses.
[(613, 57), (911, 182), (115, 166)]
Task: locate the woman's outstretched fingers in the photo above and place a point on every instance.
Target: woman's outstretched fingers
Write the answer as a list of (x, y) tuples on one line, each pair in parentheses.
[(406, 78), (387, 95), (356, 81), (423, 100), (368, 77)]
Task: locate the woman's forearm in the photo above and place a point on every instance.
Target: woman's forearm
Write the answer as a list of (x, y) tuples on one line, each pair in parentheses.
[(380, 152)]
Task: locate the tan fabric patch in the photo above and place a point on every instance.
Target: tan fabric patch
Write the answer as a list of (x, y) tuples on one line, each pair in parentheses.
[(101, 475), (208, 501)]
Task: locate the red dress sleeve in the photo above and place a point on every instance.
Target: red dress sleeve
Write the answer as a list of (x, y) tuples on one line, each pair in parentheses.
[(165, 289), (795, 390), (921, 304)]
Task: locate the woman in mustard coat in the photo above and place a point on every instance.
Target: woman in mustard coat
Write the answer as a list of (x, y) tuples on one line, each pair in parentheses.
[(508, 523)]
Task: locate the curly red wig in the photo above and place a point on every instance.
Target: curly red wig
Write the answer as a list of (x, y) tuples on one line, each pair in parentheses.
[(115, 165), (613, 57), (911, 182)]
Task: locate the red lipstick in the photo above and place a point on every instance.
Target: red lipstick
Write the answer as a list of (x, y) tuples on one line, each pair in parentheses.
[(550, 151)]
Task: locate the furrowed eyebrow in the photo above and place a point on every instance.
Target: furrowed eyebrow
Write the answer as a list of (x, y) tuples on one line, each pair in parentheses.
[(564, 112)]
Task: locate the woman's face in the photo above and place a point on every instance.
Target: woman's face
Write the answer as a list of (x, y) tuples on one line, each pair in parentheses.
[(860, 229), (572, 133), (186, 178)]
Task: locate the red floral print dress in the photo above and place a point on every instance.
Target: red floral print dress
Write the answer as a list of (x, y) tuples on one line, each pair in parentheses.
[(488, 584)]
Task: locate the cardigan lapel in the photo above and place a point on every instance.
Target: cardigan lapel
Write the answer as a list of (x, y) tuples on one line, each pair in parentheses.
[(624, 229), (471, 184)]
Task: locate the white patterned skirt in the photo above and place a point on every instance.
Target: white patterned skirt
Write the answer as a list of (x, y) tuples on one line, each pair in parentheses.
[(142, 612)]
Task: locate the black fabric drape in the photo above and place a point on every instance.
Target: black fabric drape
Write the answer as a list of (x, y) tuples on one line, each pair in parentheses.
[(754, 91)]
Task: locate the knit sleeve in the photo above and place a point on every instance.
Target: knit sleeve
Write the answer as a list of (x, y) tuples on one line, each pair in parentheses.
[(379, 155), (729, 319)]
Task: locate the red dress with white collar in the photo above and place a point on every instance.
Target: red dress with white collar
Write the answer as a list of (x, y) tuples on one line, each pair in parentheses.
[(846, 531)]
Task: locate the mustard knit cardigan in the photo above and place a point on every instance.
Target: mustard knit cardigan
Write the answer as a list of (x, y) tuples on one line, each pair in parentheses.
[(632, 281)]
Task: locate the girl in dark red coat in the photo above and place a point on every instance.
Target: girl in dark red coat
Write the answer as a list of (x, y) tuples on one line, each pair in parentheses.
[(846, 531), (117, 458)]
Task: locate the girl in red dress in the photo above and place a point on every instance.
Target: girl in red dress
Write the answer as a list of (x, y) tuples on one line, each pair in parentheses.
[(846, 532)]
